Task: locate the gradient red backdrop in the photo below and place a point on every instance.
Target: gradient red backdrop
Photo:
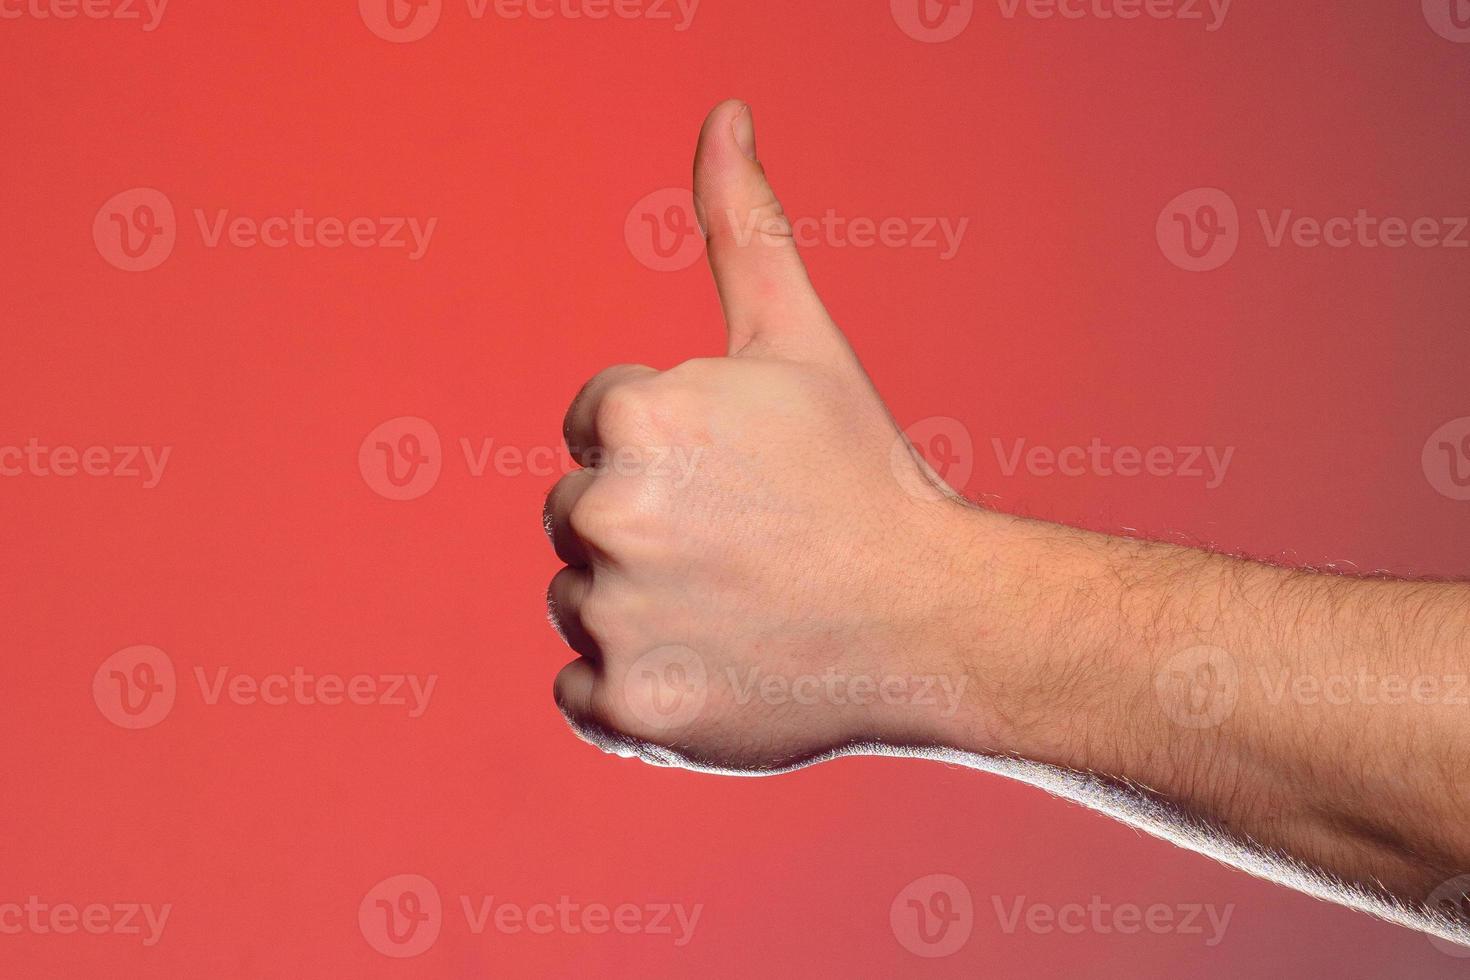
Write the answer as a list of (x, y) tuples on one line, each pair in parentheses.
[(264, 547)]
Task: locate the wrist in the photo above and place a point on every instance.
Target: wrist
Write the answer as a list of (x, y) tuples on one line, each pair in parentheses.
[(1062, 636), (1119, 657)]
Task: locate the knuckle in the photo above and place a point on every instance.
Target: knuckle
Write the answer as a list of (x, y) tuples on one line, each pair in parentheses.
[(561, 491), (604, 621), (626, 412), (769, 219), (625, 710), (695, 371), (763, 222), (623, 519), (576, 692), (554, 511), (564, 599), (551, 508), (593, 520), (560, 592), (609, 379), (569, 420)]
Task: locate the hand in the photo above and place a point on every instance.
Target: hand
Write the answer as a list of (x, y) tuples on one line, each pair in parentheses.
[(798, 585), (760, 571)]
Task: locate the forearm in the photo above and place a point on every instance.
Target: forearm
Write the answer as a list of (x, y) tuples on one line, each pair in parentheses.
[(1310, 714)]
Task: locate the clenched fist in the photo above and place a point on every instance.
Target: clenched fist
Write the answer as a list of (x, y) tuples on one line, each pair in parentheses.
[(756, 560)]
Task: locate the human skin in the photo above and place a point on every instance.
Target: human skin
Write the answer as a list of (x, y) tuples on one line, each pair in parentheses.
[(808, 588)]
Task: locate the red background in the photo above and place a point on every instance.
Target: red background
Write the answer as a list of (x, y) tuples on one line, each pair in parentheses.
[(263, 548)]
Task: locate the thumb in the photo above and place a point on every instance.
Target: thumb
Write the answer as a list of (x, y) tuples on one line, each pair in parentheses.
[(769, 302)]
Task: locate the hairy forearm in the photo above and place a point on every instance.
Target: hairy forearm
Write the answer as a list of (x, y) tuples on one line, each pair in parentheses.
[(1310, 715)]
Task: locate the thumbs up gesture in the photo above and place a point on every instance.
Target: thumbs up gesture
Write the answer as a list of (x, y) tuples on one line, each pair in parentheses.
[(760, 571)]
